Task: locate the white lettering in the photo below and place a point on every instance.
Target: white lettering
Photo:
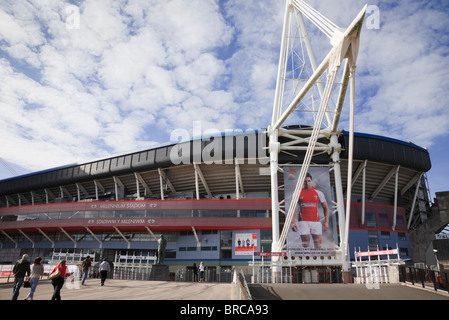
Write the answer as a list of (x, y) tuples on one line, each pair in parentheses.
[(212, 152), (197, 310), (373, 20), (73, 19), (210, 146)]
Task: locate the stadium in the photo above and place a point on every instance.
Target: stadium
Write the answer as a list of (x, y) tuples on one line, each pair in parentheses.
[(119, 206), (222, 198)]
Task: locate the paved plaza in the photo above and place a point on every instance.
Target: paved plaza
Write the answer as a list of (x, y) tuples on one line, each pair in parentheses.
[(127, 290), (171, 290), (384, 292)]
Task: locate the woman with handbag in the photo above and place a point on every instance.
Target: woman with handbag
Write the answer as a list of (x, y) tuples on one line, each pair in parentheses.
[(57, 279), (37, 269)]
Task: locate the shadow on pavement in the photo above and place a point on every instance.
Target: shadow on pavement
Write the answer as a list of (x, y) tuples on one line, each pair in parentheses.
[(259, 292)]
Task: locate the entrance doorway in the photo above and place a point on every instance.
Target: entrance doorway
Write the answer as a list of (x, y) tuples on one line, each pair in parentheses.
[(315, 274)]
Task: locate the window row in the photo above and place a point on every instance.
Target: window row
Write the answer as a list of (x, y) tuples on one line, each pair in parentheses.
[(373, 220), (202, 248), (138, 214)]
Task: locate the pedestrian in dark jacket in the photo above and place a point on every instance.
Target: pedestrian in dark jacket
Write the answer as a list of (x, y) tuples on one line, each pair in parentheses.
[(20, 270), (85, 267)]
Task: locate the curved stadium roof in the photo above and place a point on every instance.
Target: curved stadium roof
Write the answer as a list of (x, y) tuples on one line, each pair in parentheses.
[(384, 156)]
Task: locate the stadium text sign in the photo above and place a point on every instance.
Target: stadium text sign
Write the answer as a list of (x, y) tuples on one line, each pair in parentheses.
[(122, 221), (377, 253), (271, 254)]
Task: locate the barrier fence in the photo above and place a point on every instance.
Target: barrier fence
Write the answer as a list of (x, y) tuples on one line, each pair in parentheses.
[(239, 287), (182, 275), (138, 272), (427, 278)]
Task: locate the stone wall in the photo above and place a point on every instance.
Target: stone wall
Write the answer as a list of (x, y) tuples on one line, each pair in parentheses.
[(421, 237)]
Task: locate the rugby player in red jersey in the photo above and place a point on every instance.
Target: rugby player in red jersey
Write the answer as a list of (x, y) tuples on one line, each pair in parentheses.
[(309, 221)]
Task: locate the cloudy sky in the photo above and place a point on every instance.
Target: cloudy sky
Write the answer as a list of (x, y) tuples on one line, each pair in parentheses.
[(87, 79)]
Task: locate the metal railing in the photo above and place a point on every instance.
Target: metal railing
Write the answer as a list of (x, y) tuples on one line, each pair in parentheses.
[(181, 275), (240, 289), (427, 278)]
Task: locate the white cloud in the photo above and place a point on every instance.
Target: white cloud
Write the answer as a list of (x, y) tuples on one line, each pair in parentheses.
[(110, 85), (202, 73), (408, 61)]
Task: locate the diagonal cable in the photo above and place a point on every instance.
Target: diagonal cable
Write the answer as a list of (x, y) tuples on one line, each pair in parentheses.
[(320, 21)]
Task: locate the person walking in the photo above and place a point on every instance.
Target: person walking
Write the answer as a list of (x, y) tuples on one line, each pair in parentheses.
[(195, 272), (58, 281), (37, 269), (104, 269), (85, 267), (201, 271), (20, 270)]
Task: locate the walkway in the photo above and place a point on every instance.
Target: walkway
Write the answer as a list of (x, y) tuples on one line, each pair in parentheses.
[(342, 292), (127, 290), (209, 291)]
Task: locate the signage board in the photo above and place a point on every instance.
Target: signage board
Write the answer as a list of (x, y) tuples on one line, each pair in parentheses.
[(377, 253), (271, 254)]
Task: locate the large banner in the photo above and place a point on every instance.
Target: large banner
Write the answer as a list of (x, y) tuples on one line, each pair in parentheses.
[(245, 243), (313, 231)]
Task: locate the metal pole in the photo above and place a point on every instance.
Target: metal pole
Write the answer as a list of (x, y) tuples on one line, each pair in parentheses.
[(363, 192), (395, 198), (278, 96), (336, 147), (274, 146), (274, 151), (350, 156)]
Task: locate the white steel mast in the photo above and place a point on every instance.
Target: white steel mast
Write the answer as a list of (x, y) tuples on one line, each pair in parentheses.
[(292, 76)]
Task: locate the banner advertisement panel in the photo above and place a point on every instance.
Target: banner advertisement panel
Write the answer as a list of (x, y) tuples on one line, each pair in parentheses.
[(313, 231), (245, 243)]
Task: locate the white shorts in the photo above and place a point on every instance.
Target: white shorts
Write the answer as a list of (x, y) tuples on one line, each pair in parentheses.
[(309, 227)]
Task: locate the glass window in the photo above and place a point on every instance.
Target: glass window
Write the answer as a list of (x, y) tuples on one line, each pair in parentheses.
[(226, 238), (385, 235), (209, 232), (209, 248), (403, 252), (265, 234), (371, 220), (402, 236), (226, 254), (373, 240)]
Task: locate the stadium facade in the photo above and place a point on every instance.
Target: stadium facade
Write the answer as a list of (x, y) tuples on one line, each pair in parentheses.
[(209, 197)]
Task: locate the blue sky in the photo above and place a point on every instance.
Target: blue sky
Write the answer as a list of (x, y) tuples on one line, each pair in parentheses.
[(126, 74)]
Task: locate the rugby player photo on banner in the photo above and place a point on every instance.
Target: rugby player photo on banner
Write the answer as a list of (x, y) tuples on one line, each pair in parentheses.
[(313, 227)]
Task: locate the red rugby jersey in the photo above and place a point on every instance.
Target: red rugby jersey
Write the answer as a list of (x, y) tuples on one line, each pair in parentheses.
[(309, 201)]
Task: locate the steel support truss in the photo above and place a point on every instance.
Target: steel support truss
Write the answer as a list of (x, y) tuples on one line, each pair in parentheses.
[(294, 91)]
